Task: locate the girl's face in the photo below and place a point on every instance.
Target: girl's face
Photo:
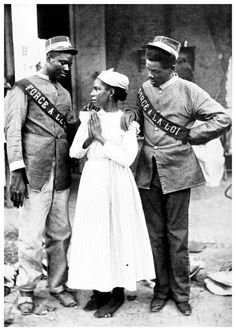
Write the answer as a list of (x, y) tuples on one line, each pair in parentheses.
[(100, 94)]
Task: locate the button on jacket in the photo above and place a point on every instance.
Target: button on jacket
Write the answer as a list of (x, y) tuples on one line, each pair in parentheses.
[(181, 102), (34, 140)]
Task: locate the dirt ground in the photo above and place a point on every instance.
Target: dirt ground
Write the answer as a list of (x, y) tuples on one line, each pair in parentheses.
[(210, 225)]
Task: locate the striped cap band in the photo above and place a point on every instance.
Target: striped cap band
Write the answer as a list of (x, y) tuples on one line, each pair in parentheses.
[(169, 45), (59, 43)]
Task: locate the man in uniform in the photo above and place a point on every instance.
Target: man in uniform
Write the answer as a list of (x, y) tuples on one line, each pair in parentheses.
[(167, 107), (38, 116)]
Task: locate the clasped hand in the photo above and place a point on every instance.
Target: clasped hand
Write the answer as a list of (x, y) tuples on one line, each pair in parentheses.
[(94, 126)]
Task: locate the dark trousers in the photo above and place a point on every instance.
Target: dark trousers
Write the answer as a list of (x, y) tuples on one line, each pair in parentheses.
[(167, 222)]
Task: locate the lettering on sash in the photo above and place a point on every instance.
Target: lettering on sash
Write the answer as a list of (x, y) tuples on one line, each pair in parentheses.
[(175, 130), (41, 100), (159, 121), (36, 95)]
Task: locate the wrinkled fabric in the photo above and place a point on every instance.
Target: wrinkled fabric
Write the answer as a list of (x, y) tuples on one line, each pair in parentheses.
[(110, 246), (167, 221), (44, 213), (34, 139), (211, 159), (181, 102)]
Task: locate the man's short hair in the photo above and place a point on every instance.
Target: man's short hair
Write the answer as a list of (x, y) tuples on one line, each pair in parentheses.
[(156, 54)]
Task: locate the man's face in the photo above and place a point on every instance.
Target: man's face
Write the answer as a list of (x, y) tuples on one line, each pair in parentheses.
[(156, 74), (59, 66)]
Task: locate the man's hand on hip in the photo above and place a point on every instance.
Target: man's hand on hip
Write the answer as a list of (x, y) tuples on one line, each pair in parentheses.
[(127, 118), (18, 187)]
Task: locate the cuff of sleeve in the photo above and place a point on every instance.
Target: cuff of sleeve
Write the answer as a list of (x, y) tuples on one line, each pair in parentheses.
[(15, 165)]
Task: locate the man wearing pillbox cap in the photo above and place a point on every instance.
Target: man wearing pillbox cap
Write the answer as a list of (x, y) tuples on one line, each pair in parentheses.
[(169, 45), (38, 153), (60, 44), (167, 107)]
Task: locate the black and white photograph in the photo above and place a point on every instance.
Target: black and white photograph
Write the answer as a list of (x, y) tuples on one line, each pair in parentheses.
[(117, 134)]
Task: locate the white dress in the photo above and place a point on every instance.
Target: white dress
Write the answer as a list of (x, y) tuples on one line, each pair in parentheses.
[(110, 245)]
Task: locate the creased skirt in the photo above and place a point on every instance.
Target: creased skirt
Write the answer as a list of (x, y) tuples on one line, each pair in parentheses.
[(110, 245)]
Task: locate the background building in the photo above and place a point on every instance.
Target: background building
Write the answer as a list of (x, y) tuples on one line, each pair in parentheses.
[(113, 36)]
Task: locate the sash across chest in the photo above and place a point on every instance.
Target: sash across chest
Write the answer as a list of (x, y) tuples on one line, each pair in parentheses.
[(171, 128), (42, 101)]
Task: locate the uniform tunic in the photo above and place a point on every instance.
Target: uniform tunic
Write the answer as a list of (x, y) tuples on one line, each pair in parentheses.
[(181, 102), (34, 139)]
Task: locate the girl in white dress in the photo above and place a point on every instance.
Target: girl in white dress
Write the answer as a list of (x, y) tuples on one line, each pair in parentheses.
[(110, 248)]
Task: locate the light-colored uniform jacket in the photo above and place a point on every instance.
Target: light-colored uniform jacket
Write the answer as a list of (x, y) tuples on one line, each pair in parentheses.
[(34, 140), (181, 102)]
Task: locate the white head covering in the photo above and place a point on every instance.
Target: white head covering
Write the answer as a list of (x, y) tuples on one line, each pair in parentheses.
[(114, 79)]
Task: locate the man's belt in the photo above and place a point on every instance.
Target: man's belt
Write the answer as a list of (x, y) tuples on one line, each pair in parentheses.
[(174, 130), (39, 98)]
